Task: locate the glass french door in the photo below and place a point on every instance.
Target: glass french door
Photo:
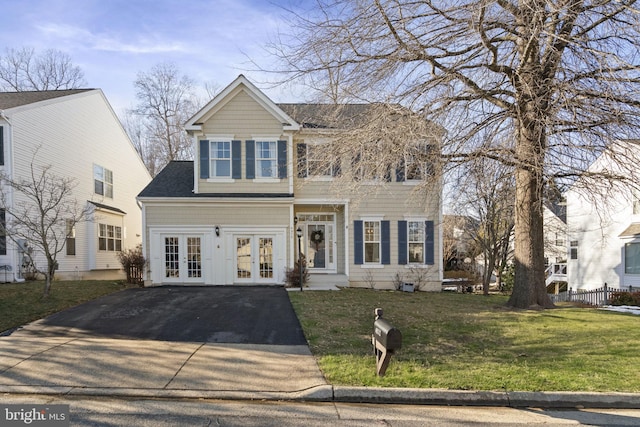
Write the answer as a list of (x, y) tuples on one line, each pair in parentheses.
[(254, 259), (182, 258)]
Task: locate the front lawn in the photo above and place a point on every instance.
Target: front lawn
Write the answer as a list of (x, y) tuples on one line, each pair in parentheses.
[(471, 342), (22, 303)]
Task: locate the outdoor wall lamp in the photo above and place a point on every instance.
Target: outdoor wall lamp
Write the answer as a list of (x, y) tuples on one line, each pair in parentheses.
[(217, 231)]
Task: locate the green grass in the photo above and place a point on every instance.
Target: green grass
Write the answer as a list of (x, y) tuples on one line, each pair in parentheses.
[(471, 342), (22, 303)]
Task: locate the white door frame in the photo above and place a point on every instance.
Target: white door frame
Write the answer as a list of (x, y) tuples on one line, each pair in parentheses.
[(158, 260), (229, 238)]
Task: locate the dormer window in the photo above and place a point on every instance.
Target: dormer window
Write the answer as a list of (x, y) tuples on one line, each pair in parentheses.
[(220, 159), (266, 159)]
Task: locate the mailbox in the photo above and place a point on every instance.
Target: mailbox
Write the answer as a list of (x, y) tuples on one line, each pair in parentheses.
[(386, 339), (387, 335)]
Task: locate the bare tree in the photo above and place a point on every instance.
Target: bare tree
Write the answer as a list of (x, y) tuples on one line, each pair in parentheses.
[(542, 86), (40, 211), (25, 70), (166, 100), (488, 195)]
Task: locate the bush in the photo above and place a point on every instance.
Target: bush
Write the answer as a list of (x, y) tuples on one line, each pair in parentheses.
[(625, 298), (292, 276), (133, 263)]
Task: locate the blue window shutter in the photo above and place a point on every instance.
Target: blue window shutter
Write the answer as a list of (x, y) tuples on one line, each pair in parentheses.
[(302, 160), (337, 167), (236, 160), (204, 159), (400, 171), (358, 243), (429, 250), (402, 242), (251, 159), (385, 235), (282, 159)]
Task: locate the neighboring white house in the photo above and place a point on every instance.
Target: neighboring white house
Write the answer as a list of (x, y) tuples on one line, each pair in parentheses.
[(555, 243), (78, 135), (231, 217), (603, 235)]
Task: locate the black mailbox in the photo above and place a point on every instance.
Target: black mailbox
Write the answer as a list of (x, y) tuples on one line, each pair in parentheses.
[(387, 335), (386, 340)]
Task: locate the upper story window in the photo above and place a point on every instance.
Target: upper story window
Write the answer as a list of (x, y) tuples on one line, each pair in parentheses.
[(70, 241), (418, 163), (103, 181), (266, 159), (220, 159), (317, 160)]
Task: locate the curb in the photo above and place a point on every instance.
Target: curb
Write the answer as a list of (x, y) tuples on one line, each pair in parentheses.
[(329, 393)]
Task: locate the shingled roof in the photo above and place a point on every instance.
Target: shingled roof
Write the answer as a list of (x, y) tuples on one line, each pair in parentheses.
[(17, 99), (327, 116)]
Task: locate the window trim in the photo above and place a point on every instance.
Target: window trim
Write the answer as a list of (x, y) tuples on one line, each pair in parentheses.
[(113, 239), (422, 241), (106, 185), (274, 160), (365, 241), (70, 236), (212, 159)]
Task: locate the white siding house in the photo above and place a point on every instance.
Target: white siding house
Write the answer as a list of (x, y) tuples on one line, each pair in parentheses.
[(603, 233), (78, 135), (231, 216)]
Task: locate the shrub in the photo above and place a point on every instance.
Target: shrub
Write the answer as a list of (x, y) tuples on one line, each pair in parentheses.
[(625, 298), (292, 275), (133, 263)]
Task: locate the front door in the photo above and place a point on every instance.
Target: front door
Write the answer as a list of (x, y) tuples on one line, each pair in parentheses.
[(254, 259), (319, 242), (182, 258)]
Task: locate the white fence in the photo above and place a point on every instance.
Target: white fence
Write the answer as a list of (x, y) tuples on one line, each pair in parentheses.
[(597, 297)]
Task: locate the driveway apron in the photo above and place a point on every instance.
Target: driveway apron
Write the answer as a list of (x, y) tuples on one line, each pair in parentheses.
[(158, 341)]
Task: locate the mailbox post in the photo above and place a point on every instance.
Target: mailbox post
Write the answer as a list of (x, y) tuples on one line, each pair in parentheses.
[(386, 339)]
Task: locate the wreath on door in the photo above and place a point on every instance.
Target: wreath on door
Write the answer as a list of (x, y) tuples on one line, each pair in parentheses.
[(317, 237)]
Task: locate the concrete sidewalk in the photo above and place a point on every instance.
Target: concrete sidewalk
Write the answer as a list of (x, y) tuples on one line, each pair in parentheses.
[(158, 369)]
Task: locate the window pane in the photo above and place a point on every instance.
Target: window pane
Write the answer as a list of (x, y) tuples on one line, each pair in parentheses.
[(108, 176), (372, 252), (221, 168), (99, 187), (416, 231), (108, 191), (416, 253), (632, 258), (371, 231), (102, 244), (98, 173)]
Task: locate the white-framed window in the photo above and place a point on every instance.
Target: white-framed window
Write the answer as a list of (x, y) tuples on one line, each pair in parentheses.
[(266, 159), (372, 242), (417, 163), (317, 163), (70, 241), (109, 238), (632, 258), (573, 249), (415, 241), (103, 181), (220, 159)]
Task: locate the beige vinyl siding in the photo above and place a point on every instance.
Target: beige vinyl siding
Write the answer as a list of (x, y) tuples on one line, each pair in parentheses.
[(240, 214), (71, 134), (242, 113), (244, 119)]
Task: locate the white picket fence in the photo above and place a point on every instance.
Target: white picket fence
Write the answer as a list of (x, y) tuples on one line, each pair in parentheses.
[(597, 297)]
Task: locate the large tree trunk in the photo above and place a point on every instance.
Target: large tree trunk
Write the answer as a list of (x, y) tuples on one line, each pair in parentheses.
[(529, 289)]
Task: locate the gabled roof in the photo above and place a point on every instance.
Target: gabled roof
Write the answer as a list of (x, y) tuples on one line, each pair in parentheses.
[(176, 180), (17, 99), (195, 122)]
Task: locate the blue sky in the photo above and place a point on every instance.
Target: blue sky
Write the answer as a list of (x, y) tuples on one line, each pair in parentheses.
[(113, 40)]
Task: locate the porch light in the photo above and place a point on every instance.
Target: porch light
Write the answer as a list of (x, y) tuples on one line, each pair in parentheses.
[(217, 231)]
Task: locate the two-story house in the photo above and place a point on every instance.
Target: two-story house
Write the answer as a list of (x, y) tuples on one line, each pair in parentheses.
[(76, 134), (232, 216)]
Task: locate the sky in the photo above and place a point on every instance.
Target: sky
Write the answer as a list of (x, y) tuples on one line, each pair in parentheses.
[(113, 40)]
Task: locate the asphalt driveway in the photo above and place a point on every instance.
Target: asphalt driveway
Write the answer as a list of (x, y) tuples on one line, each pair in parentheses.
[(216, 314)]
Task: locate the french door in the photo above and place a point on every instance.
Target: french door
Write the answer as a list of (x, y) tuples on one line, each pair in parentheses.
[(254, 258), (182, 258)]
